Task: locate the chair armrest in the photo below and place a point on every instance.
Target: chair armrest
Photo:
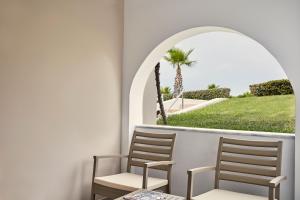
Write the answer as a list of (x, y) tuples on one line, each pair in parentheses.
[(152, 164), (110, 156), (273, 190), (200, 170), (191, 173), (276, 181), (158, 163)]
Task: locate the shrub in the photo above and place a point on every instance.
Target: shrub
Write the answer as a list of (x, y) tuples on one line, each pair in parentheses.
[(167, 97), (212, 86), (245, 94), (275, 87), (208, 94)]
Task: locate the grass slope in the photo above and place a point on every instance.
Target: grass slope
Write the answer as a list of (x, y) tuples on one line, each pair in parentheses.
[(270, 113)]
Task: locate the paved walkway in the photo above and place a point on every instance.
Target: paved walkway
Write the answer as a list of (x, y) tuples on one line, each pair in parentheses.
[(189, 105)]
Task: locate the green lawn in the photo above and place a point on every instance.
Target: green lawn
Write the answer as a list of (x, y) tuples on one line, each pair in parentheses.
[(270, 113)]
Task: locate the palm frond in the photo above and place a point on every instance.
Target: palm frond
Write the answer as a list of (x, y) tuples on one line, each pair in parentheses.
[(167, 58), (188, 53), (189, 63), (178, 57)]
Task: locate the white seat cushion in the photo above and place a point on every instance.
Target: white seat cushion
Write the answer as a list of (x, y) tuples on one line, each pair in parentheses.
[(129, 182), (218, 194)]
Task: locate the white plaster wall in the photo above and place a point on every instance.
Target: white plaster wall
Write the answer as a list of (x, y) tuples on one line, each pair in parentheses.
[(60, 95), (201, 147), (274, 24), (150, 98)]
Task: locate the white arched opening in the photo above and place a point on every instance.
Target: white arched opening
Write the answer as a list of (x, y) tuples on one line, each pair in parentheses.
[(144, 71), (136, 103)]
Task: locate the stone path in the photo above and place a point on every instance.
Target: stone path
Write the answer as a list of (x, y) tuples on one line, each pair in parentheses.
[(189, 105)]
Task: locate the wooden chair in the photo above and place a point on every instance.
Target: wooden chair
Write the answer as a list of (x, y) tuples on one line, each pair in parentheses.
[(251, 162), (147, 150)]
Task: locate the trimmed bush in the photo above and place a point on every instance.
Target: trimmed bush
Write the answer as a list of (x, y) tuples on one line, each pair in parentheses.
[(208, 94), (245, 94), (167, 96), (275, 87)]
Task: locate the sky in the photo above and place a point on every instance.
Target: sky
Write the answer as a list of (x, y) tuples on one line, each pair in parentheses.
[(225, 59)]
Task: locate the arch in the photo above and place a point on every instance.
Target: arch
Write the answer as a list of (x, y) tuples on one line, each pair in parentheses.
[(144, 71)]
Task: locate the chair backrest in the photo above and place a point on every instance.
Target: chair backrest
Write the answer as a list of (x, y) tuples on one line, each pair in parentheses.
[(252, 162), (147, 147)]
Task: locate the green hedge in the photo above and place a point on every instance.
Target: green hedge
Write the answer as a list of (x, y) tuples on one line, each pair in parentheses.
[(208, 94), (245, 94), (275, 87), (167, 97)]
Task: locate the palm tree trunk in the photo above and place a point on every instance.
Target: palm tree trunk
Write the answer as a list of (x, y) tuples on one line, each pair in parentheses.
[(160, 101), (178, 87)]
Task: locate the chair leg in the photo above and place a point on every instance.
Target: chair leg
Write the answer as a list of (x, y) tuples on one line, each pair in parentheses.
[(93, 196), (277, 192), (168, 189), (169, 182)]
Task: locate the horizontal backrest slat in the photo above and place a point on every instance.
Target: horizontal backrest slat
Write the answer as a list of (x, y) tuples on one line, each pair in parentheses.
[(152, 149), (155, 135), (250, 143), (149, 157), (250, 161), (244, 179), (266, 153), (248, 170), (152, 142)]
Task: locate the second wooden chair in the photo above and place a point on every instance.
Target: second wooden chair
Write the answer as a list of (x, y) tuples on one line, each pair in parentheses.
[(251, 162)]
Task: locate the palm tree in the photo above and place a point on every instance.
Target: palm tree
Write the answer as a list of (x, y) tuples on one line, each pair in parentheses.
[(178, 58), (159, 99)]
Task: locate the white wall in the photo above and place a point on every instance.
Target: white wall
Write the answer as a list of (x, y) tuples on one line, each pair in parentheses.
[(150, 98), (201, 146), (273, 24), (60, 95)]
